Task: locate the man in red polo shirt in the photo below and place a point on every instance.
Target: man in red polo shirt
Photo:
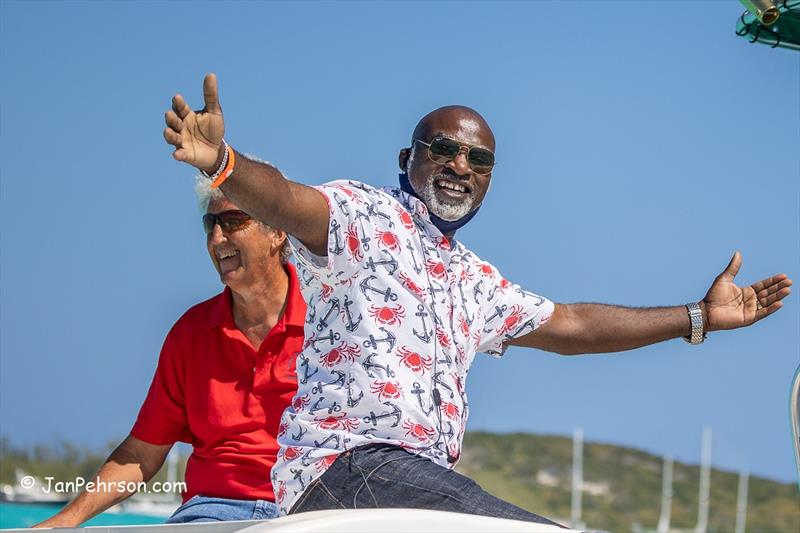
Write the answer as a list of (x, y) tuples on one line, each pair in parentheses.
[(225, 375)]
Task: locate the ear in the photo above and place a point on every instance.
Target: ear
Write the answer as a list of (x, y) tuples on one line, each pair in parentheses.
[(402, 159), (280, 238)]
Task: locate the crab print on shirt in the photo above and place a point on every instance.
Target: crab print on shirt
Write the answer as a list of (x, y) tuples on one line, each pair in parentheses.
[(396, 314)]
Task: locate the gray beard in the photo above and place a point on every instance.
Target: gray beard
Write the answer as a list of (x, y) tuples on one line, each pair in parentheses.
[(443, 208)]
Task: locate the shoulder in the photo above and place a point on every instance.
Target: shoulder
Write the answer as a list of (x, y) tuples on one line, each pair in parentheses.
[(472, 258), (199, 317), (351, 190)]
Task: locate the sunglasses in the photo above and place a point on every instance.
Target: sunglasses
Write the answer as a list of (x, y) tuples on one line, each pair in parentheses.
[(228, 221), (441, 150)]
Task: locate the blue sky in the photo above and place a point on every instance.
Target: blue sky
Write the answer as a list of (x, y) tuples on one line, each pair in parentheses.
[(639, 145)]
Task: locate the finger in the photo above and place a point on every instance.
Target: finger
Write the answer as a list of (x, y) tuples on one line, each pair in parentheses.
[(766, 311), (773, 288), (172, 137), (181, 154), (173, 121), (776, 297), (767, 282), (180, 106), (733, 267), (210, 94)]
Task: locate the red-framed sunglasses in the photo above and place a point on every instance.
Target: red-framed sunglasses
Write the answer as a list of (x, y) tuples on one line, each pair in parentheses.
[(228, 221)]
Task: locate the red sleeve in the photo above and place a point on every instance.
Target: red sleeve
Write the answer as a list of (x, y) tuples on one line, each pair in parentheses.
[(162, 418)]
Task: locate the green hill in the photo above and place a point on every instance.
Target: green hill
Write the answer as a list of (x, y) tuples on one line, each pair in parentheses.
[(535, 472)]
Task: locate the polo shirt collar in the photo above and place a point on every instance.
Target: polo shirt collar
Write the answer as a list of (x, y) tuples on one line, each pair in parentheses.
[(294, 314)]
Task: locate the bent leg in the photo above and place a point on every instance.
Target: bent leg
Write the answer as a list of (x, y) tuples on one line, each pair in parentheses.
[(385, 476)]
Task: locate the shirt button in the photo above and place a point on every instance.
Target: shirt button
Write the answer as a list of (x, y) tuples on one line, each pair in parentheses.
[(254, 369)]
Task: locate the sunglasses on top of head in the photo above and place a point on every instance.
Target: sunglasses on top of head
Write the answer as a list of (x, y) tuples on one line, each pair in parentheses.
[(228, 221), (441, 150)]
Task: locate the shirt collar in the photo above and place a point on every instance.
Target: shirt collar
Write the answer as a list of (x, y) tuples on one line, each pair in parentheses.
[(413, 204), (294, 314), (418, 209)]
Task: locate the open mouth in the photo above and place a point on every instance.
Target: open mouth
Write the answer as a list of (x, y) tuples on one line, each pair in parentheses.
[(452, 188), (228, 254), (228, 261)]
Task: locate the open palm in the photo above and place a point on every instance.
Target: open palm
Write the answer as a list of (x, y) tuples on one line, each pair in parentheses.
[(729, 306), (196, 135)]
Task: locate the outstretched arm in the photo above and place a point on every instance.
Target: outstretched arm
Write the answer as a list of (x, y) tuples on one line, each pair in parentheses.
[(596, 328), (132, 461), (257, 188)]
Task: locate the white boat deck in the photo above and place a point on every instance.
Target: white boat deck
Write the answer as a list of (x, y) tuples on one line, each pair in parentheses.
[(350, 521)]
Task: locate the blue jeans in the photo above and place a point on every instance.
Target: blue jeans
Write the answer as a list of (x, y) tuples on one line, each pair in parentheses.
[(205, 509), (383, 475)]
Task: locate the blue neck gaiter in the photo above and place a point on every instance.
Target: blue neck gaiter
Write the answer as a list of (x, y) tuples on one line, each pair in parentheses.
[(445, 226)]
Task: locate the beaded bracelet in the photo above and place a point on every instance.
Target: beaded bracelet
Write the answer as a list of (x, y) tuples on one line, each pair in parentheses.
[(225, 167)]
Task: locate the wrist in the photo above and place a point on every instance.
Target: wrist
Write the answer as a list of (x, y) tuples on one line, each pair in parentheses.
[(704, 309), (220, 156), (224, 168), (60, 520), (697, 323)]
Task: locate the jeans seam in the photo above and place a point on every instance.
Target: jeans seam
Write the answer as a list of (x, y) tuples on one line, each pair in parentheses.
[(260, 512), (330, 494), (374, 472), (306, 494), (465, 503), (363, 481)]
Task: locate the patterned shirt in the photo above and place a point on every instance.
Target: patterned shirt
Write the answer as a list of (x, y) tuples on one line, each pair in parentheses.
[(395, 317)]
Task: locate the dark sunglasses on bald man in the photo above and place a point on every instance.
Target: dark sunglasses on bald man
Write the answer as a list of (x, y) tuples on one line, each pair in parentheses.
[(441, 150), (228, 221)]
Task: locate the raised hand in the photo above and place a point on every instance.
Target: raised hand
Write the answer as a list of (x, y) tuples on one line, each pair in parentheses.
[(197, 135), (728, 306)]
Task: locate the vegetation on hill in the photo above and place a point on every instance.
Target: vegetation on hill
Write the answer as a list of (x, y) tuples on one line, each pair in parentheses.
[(535, 472)]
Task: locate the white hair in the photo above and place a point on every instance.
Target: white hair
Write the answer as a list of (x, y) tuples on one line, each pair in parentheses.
[(205, 194), (202, 187)]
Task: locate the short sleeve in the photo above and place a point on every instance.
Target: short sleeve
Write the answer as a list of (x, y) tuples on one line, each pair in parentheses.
[(162, 418), (350, 230), (509, 311)]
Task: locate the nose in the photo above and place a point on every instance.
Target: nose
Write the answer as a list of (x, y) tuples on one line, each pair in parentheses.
[(217, 236), (459, 164)]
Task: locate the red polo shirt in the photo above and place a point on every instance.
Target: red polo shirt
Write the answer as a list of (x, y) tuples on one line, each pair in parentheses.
[(215, 391)]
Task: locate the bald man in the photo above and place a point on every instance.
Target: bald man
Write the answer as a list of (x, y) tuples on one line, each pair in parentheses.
[(397, 310)]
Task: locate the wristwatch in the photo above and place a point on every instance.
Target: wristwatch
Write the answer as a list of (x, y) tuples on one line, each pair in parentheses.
[(696, 320)]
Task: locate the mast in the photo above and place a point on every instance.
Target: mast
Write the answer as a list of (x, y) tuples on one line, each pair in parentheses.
[(741, 502), (705, 482), (666, 496), (577, 478)]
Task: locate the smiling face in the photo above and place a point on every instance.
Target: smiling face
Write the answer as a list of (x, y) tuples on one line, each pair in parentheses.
[(453, 189), (246, 257)]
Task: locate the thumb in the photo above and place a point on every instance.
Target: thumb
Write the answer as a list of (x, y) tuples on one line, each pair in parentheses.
[(733, 267), (210, 94)]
